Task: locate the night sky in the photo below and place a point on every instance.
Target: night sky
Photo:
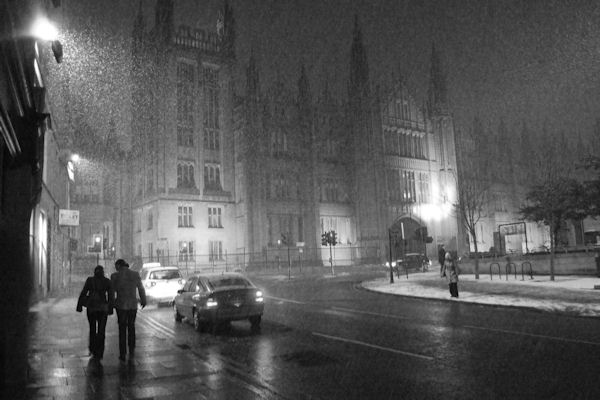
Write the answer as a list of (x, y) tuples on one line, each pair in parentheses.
[(521, 60)]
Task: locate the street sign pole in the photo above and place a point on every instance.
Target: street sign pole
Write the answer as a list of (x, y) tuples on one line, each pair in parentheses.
[(391, 269)]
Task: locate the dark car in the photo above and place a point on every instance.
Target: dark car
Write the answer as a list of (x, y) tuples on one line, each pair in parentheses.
[(209, 300), (410, 261)]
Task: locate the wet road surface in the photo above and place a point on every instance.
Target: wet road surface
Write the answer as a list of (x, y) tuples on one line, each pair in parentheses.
[(328, 338)]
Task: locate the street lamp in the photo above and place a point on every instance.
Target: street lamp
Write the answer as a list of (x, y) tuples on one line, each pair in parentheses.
[(43, 29)]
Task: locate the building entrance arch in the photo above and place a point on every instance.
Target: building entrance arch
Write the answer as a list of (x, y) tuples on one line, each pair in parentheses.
[(407, 235)]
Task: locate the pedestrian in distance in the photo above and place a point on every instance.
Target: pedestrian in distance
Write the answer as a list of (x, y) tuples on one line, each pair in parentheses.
[(441, 257), (96, 297), (450, 271), (125, 282)]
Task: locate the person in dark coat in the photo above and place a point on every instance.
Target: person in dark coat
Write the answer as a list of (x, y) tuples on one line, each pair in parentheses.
[(96, 294), (450, 271), (125, 282)]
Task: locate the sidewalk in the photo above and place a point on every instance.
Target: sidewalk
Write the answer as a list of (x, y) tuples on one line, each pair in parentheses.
[(61, 368), (571, 295)]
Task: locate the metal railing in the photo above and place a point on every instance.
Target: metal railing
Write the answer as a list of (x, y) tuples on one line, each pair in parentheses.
[(523, 264), (510, 266), (491, 270)]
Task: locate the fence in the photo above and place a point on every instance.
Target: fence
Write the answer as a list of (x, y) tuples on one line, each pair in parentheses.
[(270, 259)]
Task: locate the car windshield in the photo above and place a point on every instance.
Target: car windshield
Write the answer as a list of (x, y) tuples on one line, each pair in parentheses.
[(165, 274), (227, 281)]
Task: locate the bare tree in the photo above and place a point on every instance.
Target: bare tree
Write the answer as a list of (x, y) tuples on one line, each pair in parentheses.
[(555, 196), (473, 182)]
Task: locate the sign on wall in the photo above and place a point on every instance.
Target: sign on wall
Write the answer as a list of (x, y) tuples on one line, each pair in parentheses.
[(68, 217)]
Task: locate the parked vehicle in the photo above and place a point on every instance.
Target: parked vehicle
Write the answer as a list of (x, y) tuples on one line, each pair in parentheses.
[(161, 283), (208, 300), (410, 261)]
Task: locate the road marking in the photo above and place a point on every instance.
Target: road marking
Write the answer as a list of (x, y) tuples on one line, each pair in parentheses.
[(534, 335), (369, 313), (285, 300), (158, 325), (374, 346)]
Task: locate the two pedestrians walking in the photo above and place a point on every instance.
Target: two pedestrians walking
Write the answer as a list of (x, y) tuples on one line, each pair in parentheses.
[(100, 295)]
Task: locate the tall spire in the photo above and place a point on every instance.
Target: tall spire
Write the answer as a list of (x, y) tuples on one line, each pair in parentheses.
[(438, 93), (228, 38), (163, 19), (139, 26), (359, 68)]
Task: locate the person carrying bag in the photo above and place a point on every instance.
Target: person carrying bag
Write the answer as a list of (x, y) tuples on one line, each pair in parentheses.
[(96, 298)]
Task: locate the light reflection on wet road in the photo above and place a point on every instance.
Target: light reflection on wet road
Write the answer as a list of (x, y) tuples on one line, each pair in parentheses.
[(329, 339)]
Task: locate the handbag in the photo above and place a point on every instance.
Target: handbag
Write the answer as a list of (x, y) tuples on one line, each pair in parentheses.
[(84, 300)]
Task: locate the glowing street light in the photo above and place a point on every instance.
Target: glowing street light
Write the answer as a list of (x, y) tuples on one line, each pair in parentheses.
[(44, 30)]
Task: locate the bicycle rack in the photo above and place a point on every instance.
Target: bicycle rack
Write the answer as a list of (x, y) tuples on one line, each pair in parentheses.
[(530, 270), (499, 270), (511, 266)]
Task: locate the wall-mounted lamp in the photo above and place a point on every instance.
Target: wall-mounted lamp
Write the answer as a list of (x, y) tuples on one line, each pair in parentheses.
[(44, 30)]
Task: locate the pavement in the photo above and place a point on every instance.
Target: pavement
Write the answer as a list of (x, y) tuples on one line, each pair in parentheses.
[(60, 367), (567, 294)]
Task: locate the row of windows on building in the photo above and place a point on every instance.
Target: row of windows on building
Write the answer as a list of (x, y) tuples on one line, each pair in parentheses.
[(292, 226), (288, 187), (186, 251), (186, 178), (185, 218), (212, 138), (279, 145), (408, 186), (186, 106), (404, 144)]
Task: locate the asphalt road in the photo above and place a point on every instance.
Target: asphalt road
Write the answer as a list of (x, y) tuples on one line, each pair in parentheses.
[(330, 339)]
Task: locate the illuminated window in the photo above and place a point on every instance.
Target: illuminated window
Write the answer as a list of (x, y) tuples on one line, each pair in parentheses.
[(215, 250), (184, 217), (186, 251), (214, 217)]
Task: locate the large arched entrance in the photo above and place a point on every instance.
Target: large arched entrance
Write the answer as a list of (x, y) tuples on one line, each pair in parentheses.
[(407, 236)]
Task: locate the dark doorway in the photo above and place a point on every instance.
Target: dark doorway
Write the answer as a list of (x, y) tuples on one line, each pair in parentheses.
[(407, 238)]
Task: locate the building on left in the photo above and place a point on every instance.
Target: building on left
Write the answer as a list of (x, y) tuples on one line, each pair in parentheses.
[(34, 175)]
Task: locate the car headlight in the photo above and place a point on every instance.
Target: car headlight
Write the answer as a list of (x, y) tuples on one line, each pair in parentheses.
[(259, 296), (210, 302)]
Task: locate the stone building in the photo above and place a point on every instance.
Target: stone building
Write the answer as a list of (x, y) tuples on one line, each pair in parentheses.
[(373, 162), (223, 179), (182, 177)]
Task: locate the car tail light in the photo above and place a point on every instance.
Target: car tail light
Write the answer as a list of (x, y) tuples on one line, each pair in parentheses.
[(210, 302), (259, 296)]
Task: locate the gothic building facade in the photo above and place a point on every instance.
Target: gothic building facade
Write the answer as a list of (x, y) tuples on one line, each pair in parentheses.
[(376, 166), (219, 177)]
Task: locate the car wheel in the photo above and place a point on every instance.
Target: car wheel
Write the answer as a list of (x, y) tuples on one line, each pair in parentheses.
[(178, 317), (255, 322)]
